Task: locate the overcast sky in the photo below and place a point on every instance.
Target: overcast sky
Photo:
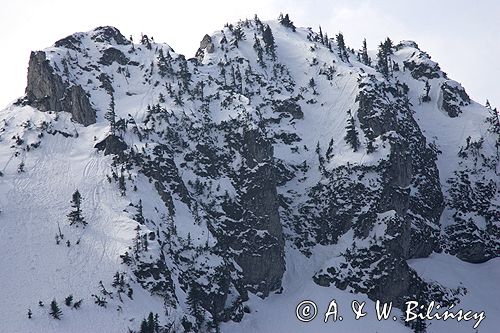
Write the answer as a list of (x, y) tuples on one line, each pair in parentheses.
[(462, 35)]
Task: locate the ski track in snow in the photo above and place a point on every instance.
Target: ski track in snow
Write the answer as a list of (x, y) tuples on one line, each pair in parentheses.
[(35, 268)]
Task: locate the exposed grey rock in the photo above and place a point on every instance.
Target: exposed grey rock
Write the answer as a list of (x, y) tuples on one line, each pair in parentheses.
[(106, 83), (77, 101), (109, 35), (423, 70), (112, 144), (48, 92), (412, 216), (72, 42), (389, 280), (291, 107), (111, 55), (205, 45), (453, 97), (262, 260), (406, 43), (473, 195)]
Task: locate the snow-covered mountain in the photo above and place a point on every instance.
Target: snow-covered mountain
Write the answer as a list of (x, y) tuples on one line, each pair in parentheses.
[(220, 191)]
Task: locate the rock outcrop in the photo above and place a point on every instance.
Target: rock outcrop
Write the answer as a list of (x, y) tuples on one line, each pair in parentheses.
[(205, 45), (261, 243), (453, 98), (112, 145), (48, 92)]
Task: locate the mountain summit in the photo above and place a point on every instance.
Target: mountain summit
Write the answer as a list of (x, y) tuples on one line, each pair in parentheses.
[(215, 193)]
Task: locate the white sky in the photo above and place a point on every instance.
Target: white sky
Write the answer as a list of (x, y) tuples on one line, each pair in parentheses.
[(462, 35)]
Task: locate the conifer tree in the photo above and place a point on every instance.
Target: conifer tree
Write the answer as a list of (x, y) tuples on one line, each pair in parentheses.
[(238, 35), (268, 39), (122, 185), (382, 65), (426, 97), (384, 51), (351, 136), (342, 48), (139, 217), (370, 147), (144, 327), (101, 301), (193, 301), (77, 304), (145, 41), (75, 216), (55, 311), (30, 313), (388, 46), (329, 150), (364, 55), (285, 21), (488, 105), (327, 42), (111, 115), (156, 323), (312, 85), (68, 300), (493, 121), (162, 63), (151, 322), (260, 51)]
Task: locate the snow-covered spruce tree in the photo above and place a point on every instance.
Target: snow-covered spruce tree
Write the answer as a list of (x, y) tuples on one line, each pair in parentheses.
[(382, 61), (111, 115), (268, 39), (238, 35), (139, 217), (426, 97), (259, 50), (351, 136), (68, 300), (384, 51), (342, 48), (493, 121), (163, 64), (122, 185), (151, 324), (312, 85), (365, 59), (145, 41), (193, 301), (285, 21), (75, 216), (77, 304), (55, 311), (101, 301)]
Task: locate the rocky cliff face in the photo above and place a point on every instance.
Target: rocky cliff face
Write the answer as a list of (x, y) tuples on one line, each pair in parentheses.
[(276, 140), (47, 91)]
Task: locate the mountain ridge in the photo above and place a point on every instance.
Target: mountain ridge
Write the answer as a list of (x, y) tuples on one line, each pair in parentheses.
[(257, 147)]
